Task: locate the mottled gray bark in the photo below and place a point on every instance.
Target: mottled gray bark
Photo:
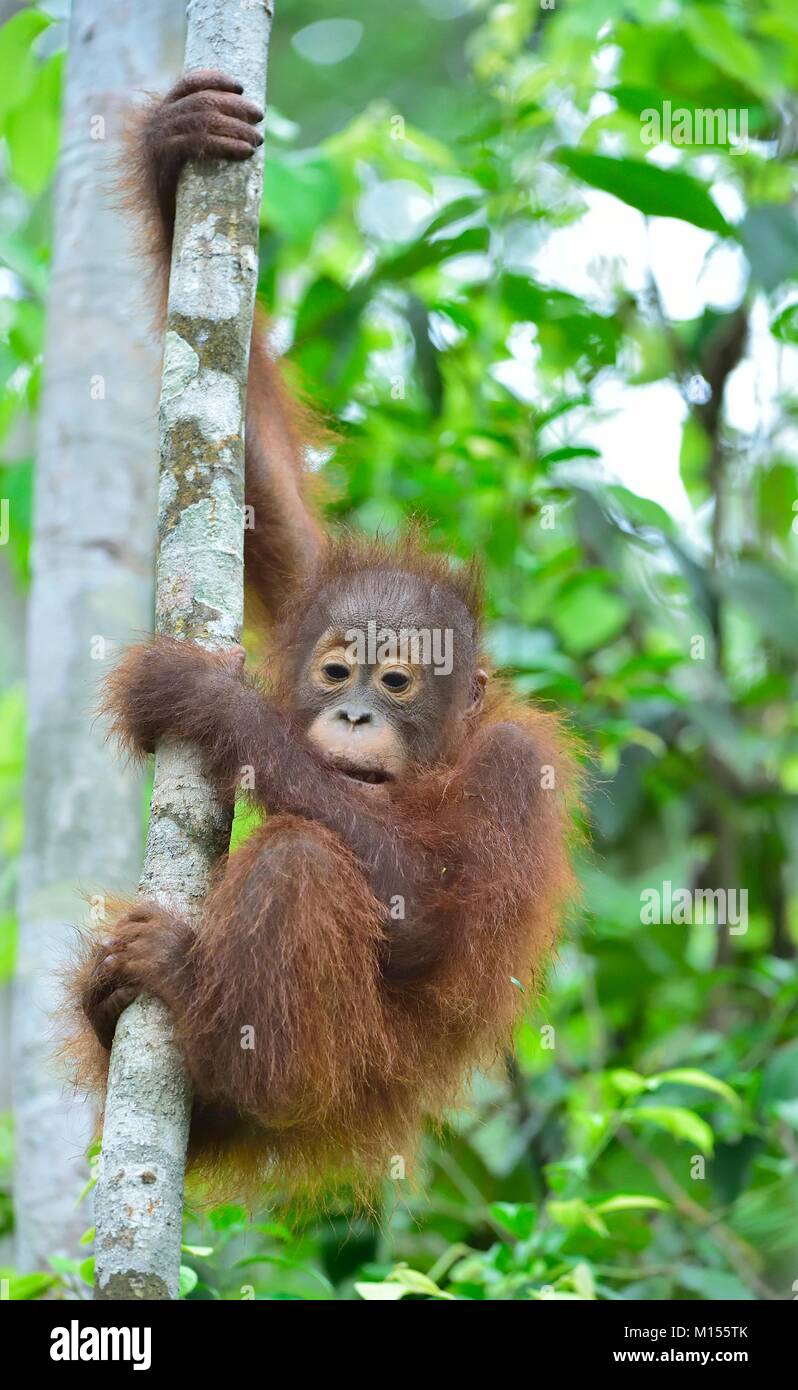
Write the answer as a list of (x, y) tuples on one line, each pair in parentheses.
[(91, 586), (199, 595)]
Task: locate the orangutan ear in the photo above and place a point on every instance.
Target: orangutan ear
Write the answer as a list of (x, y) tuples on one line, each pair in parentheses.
[(478, 684)]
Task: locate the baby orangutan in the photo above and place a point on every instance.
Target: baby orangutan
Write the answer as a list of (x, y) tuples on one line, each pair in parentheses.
[(369, 938)]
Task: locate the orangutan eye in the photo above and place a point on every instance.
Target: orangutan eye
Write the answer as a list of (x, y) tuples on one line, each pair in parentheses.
[(335, 670), (396, 680)]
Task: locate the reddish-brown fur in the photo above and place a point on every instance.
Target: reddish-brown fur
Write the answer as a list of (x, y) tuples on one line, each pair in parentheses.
[(361, 1025)]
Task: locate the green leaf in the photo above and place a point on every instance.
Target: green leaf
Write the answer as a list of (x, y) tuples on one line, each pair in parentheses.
[(677, 1121), (694, 460), (581, 1277), (780, 1076), (413, 1281), (229, 1217), (627, 1201), (453, 212), (247, 818), (24, 1287), (628, 1083), (785, 325), (87, 1271), (568, 452), (715, 1285), (8, 945), (402, 1281), (588, 615), (16, 484), (714, 34), (324, 301), (300, 194), (424, 254), (17, 63), (188, 1280), (64, 1264), (561, 407), (286, 1262), (568, 328), (517, 1217), (769, 598), (275, 1229), (691, 1076), (654, 191), (26, 262), (641, 511), (32, 129), (787, 1110), (574, 1213), (380, 1293), (777, 489)]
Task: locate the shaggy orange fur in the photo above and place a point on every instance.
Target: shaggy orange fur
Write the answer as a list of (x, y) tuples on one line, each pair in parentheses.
[(348, 1054)]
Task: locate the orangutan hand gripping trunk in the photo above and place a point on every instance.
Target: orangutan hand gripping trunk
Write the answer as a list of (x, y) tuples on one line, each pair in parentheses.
[(362, 951)]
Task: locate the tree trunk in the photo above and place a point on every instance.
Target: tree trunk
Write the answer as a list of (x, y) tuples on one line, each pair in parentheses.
[(199, 595), (91, 586)]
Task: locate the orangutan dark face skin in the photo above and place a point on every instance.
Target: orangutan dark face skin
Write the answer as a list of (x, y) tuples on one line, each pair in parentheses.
[(355, 729), (388, 680), (411, 868)]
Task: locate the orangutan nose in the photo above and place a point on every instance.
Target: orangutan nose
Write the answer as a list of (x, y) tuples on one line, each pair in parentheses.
[(355, 714)]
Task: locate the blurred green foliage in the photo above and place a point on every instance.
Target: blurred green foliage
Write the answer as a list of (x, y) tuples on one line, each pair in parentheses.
[(643, 1141)]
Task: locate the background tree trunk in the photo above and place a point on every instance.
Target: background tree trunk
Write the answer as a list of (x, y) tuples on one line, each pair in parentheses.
[(92, 569), (199, 595)]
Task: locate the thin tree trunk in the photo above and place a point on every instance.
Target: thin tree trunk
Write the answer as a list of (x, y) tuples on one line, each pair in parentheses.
[(199, 595), (91, 586)]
